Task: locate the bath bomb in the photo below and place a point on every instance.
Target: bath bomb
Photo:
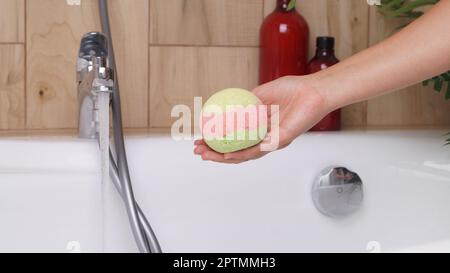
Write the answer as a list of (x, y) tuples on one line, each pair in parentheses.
[(232, 120)]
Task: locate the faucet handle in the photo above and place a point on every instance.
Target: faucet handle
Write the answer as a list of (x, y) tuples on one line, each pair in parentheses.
[(93, 44), (93, 57)]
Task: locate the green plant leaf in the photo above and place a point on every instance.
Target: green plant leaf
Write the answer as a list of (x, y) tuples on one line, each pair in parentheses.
[(291, 5), (411, 5), (413, 14), (438, 83), (447, 95), (404, 8), (446, 76), (390, 5)]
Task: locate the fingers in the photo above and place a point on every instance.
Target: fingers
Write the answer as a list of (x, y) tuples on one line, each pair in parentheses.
[(246, 155), (264, 94), (232, 158), (208, 154), (270, 143), (219, 158), (199, 142), (201, 149)]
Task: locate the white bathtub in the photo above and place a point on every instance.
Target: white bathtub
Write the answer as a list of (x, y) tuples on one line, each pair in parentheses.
[(52, 200)]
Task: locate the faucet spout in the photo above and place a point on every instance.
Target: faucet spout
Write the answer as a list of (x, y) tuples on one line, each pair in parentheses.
[(94, 76)]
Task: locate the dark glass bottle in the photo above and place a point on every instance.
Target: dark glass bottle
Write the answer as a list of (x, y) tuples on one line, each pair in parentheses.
[(284, 44), (325, 58)]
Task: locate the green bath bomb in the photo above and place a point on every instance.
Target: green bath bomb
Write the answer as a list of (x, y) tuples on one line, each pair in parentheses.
[(248, 117)]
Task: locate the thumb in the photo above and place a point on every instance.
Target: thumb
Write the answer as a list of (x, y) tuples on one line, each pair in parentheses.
[(265, 93)]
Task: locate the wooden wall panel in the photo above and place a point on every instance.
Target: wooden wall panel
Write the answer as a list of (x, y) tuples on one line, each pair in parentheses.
[(347, 21), (130, 33), (12, 87), (169, 51), (178, 74), (411, 107), (54, 30), (12, 21), (205, 22), (53, 37)]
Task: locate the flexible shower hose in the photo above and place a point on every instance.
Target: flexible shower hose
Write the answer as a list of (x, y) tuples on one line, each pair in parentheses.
[(142, 231)]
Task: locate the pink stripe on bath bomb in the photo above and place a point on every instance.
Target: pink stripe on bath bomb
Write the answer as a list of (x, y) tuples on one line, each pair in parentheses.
[(235, 119)]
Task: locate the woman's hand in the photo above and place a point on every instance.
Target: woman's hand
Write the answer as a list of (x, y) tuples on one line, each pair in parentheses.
[(301, 106), (387, 66)]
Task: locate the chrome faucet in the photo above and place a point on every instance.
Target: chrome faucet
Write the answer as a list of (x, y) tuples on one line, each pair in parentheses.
[(94, 75)]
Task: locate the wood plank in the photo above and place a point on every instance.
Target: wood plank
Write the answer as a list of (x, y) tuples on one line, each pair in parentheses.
[(177, 72), (205, 22), (347, 21), (54, 30), (12, 87), (413, 106), (203, 71), (54, 33), (12, 21), (129, 22)]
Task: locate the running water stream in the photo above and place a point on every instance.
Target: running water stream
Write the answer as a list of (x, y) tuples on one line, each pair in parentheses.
[(103, 101)]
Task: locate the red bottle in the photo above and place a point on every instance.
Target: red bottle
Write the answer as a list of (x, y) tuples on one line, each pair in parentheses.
[(284, 44), (325, 58)]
